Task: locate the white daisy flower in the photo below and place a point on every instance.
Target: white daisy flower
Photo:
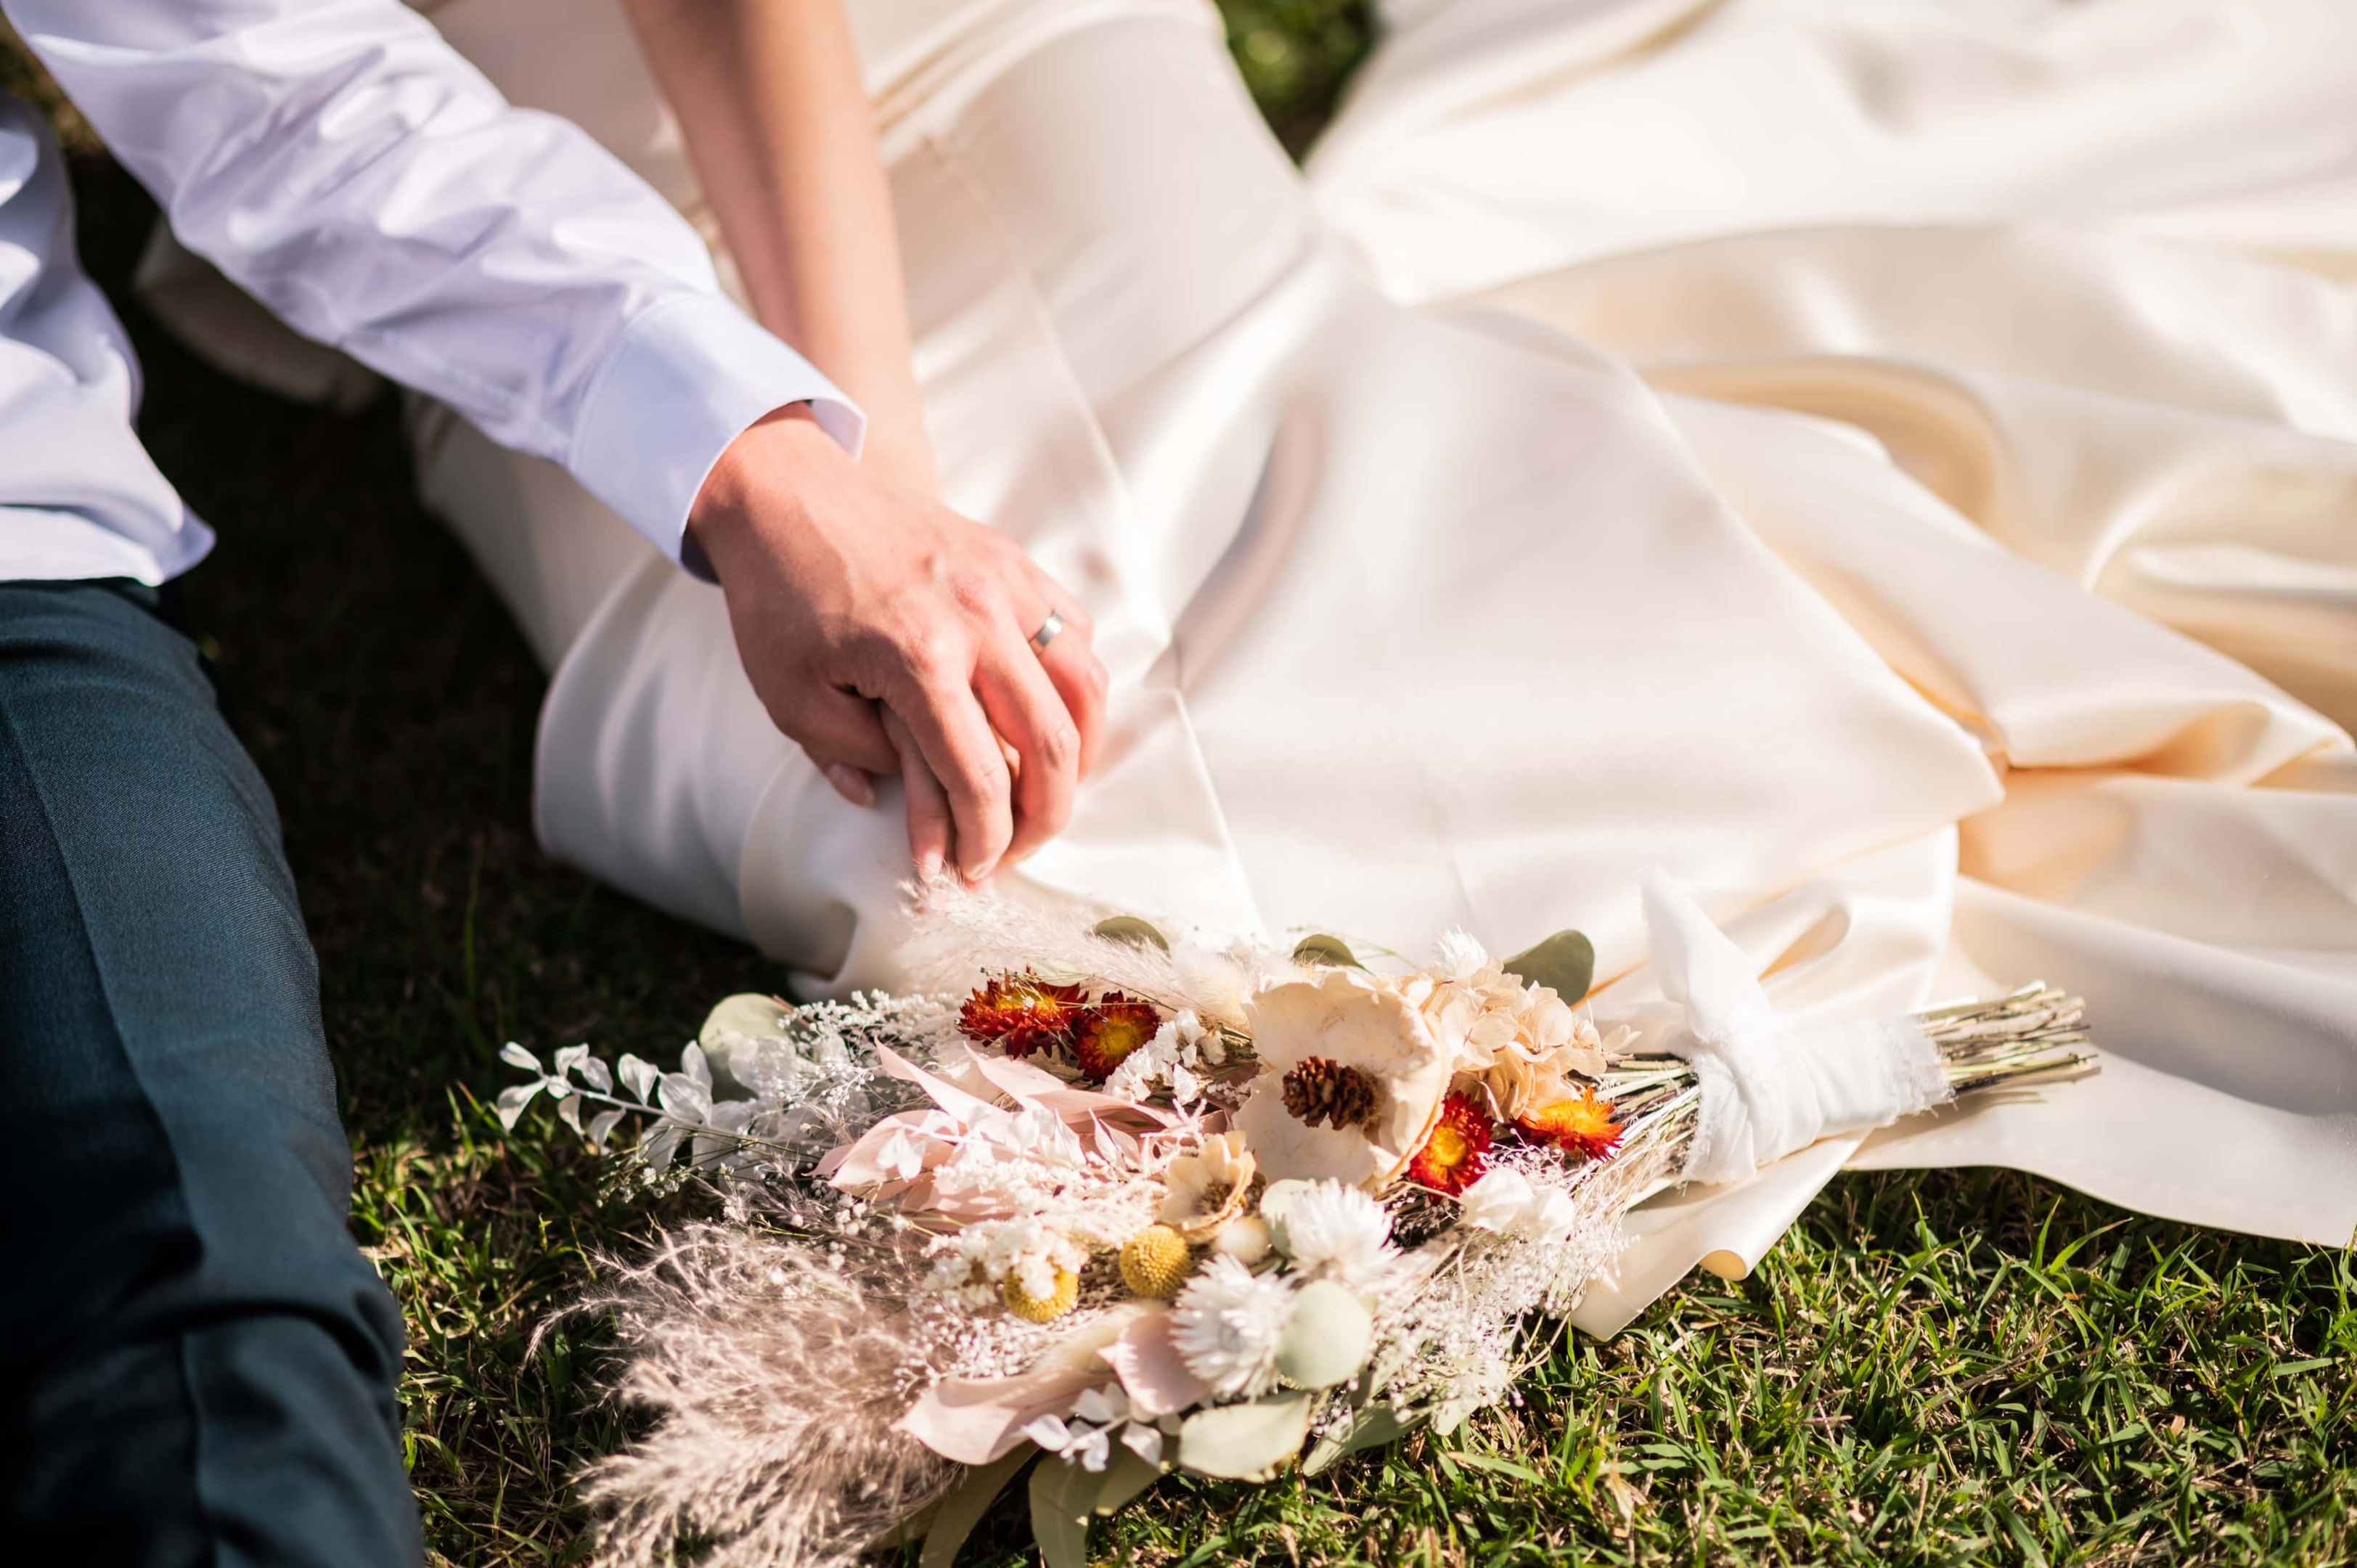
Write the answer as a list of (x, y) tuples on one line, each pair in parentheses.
[(1337, 1232), (1226, 1326)]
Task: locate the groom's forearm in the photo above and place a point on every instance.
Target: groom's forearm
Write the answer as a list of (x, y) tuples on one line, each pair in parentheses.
[(345, 166)]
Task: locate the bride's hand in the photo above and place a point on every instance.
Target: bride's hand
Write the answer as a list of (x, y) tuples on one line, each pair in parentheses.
[(843, 594)]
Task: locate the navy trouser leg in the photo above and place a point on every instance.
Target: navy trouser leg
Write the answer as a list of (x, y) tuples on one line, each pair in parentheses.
[(196, 1365)]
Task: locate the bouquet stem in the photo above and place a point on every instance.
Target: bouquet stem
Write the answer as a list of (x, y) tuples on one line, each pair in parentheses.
[(2032, 1032)]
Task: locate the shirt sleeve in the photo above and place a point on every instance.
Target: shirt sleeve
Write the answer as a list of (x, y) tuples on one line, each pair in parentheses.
[(345, 166)]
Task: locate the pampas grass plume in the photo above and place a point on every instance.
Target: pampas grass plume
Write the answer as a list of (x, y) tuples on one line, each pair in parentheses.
[(774, 1379), (960, 935)]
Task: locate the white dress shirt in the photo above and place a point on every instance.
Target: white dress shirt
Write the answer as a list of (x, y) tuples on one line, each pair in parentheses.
[(348, 168)]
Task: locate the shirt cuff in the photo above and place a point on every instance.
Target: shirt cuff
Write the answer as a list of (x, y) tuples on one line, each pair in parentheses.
[(687, 378)]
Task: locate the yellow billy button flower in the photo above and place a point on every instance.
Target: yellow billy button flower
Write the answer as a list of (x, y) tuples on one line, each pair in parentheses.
[(1154, 1263)]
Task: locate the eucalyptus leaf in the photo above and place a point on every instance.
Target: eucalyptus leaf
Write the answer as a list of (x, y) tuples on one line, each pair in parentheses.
[(1244, 1442), (512, 1102), (1327, 1338), (602, 1127), (908, 1531), (736, 1023), (1331, 952), (962, 1509), (1565, 962), (1126, 1476), (659, 1144), (1131, 930), (1370, 1428), (1274, 1202), (683, 1097), (1063, 1496), (637, 1076), (749, 1013)]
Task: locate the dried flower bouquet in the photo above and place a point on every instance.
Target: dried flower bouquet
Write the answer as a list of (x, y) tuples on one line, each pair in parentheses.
[(1129, 1204)]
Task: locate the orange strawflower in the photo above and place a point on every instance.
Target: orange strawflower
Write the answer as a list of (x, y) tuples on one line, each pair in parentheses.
[(1109, 1030), (1022, 1013), (1582, 1128), (1456, 1153)]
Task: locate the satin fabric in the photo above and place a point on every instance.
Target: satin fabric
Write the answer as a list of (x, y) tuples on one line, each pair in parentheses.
[(2082, 273), (1790, 475)]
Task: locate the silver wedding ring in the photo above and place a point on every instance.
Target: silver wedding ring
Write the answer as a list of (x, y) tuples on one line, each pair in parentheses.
[(1048, 630)]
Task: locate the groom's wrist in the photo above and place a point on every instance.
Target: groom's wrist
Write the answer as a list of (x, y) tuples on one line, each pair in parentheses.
[(765, 475), (685, 382)]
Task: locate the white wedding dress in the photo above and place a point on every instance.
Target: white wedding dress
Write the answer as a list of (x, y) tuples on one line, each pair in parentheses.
[(1893, 466)]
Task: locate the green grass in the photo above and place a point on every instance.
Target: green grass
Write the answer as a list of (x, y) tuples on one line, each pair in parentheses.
[(1936, 1368)]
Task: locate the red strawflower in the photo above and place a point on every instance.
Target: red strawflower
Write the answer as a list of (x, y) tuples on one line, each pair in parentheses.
[(1456, 1153), (1114, 1026), (1022, 1013), (1582, 1128)]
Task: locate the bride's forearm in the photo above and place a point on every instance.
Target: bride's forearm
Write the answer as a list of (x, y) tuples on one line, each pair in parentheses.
[(777, 121)]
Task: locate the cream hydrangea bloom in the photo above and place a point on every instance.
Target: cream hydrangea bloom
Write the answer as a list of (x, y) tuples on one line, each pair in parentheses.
[(1357, 1021), (1524, 1043)]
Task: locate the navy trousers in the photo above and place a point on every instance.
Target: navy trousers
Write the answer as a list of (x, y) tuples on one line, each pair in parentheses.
[(196, 1365)]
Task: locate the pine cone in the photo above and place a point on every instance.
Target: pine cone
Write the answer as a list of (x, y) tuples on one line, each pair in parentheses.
[(1323, 1089)]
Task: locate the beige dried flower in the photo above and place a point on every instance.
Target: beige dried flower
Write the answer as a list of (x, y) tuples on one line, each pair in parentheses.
[(1208, 1188), (1353, 1020)]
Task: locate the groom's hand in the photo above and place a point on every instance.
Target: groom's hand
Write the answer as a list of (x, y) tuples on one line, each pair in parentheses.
[(845, 595)]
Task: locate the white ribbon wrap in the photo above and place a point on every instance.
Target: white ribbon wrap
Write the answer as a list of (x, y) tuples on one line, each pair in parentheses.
[(1771, 1085)]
